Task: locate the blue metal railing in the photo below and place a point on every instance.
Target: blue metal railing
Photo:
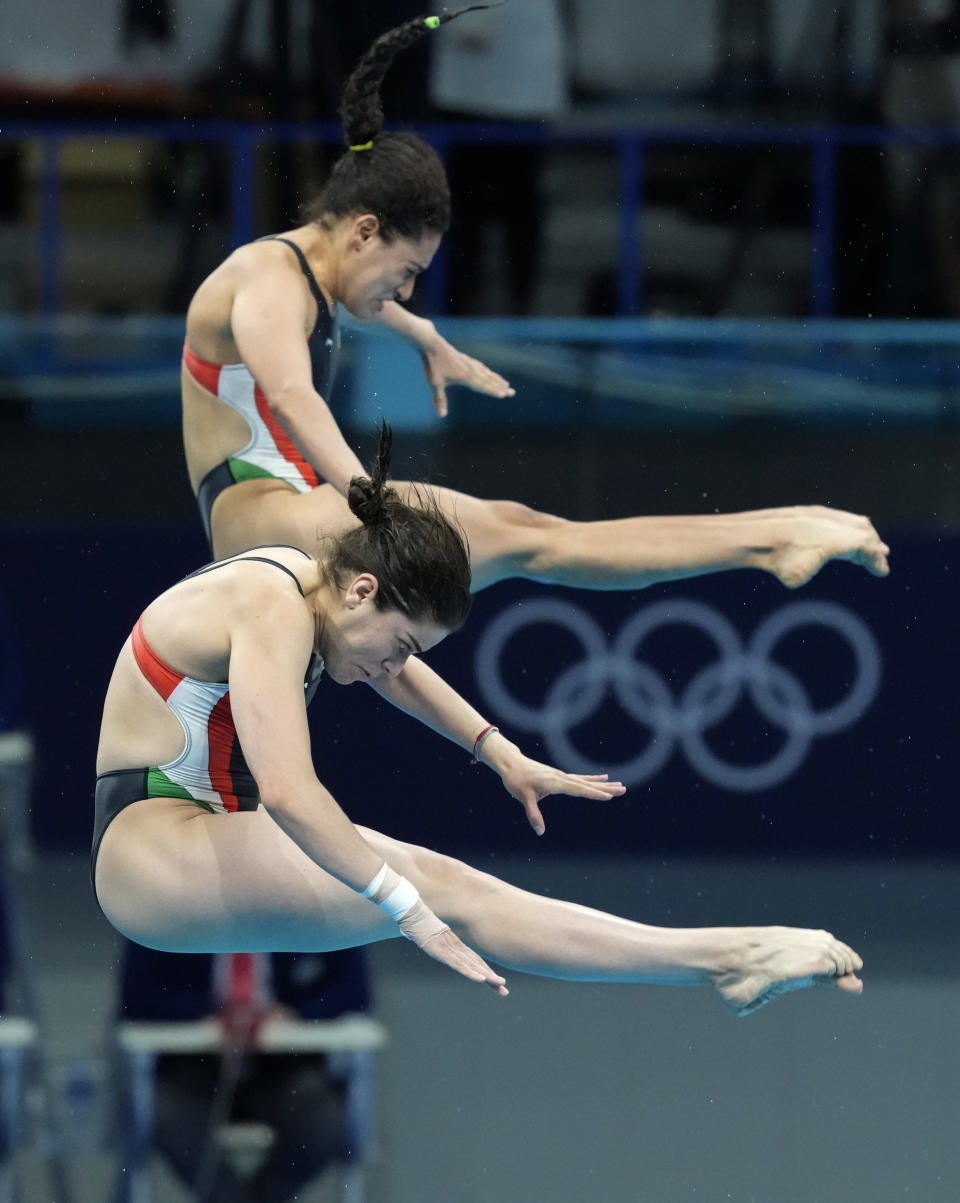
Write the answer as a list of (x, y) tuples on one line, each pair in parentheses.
[(622, 373), (822, 141)]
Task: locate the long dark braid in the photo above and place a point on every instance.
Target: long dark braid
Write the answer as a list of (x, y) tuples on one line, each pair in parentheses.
[(396, 176), (360, 109)]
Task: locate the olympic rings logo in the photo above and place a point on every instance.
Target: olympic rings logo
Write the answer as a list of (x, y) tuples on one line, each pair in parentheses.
[(710, 696)]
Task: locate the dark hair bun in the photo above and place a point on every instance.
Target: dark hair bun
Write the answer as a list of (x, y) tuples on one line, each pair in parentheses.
[(368, 496), (365, 499), (417, 554)]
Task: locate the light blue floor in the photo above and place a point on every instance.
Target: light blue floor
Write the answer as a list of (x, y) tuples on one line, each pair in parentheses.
[(566, 1092)]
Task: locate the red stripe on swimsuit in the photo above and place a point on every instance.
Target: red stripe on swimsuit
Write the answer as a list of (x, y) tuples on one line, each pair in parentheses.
[(161, 676), (270, 446), (210, 769), (205, 373), (221, 735), (283, 441)]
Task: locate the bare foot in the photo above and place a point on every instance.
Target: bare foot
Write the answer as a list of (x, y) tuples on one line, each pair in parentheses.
[(775, 960), (816, 534)]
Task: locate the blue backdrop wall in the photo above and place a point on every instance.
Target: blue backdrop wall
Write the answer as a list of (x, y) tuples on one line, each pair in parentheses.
[(744, 717)]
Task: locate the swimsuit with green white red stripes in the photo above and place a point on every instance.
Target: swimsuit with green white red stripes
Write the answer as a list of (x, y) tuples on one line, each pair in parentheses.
[(211, 770), (270, 452)]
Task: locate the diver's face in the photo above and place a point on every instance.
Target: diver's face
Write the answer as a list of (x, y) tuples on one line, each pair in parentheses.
[(377, 271), (361, 642)]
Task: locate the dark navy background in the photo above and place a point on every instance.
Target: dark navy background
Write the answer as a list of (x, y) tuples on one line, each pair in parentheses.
[(887, 786)]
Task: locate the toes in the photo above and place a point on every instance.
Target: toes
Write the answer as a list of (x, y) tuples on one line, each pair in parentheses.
[(848, 982), (845, 959)]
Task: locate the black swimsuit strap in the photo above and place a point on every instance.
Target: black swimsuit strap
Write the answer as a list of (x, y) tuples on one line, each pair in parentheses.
[(305, 268), (315, 668), (266, 547), (244, 558)]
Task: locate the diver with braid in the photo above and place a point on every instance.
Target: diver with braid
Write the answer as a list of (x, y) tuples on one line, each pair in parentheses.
[(266, 457)]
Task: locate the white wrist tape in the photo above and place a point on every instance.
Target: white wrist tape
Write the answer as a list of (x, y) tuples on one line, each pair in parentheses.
[(377, 881), (392, 893), (402, 902)]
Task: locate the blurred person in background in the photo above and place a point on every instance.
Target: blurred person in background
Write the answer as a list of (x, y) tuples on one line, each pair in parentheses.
[(922, 89), (506, 68), (295, 1095)]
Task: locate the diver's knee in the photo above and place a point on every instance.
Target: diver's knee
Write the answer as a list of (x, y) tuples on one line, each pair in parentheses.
[(516, 514), (533, 544), (449, 886)]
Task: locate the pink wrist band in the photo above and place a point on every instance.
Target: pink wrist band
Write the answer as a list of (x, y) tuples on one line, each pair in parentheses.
[(481, 740)]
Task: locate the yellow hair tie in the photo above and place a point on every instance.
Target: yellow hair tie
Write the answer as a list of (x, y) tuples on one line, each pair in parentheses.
[(362, 146)]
